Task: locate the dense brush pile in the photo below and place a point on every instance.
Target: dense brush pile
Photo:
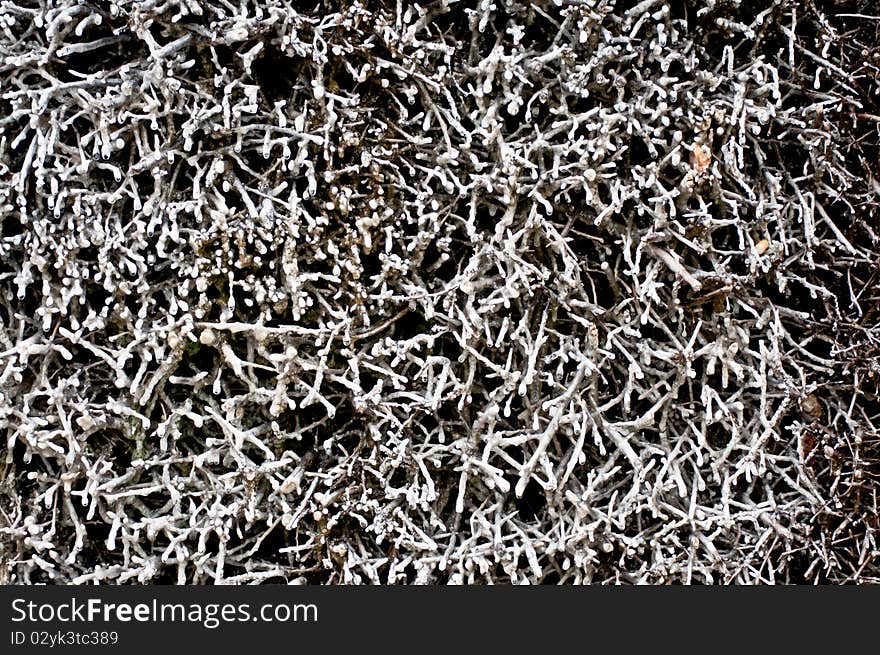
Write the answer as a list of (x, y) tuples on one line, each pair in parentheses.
[(498, 291)]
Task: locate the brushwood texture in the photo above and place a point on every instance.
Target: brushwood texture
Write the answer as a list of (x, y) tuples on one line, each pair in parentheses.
[(497, 292)]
